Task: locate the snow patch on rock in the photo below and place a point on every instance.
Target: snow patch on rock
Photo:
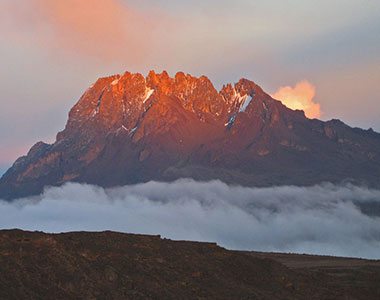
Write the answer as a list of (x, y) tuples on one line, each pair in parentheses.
[(148, 93), (115, 82), (245, 100), (230, 121)]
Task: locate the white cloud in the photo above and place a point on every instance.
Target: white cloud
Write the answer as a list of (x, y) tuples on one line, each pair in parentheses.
[(323, 219)]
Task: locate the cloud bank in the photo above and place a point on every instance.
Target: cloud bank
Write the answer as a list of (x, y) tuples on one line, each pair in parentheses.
[(324, 219), (301, 96)]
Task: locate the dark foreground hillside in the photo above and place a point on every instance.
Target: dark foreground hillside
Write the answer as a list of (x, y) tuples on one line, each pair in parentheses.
[(110, 265)]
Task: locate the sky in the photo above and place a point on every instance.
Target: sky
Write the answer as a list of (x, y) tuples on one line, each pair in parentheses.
[(324, 54), (323, 219)]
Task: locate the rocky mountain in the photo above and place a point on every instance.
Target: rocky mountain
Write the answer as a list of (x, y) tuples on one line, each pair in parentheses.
[(110, 265), (129, 128)]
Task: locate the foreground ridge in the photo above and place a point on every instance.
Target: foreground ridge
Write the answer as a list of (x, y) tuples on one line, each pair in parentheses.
[(110, 265), (128, 128)]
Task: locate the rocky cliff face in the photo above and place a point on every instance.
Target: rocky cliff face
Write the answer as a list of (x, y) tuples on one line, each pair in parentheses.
[(129, 128)]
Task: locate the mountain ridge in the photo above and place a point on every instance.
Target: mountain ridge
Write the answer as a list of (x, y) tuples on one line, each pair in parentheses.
[(129, 128)]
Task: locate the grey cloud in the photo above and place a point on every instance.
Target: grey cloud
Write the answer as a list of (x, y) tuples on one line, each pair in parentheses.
[(324, 219)]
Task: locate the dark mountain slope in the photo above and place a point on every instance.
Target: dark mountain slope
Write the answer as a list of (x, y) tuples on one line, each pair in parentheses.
[(111, 265), (128, 129)]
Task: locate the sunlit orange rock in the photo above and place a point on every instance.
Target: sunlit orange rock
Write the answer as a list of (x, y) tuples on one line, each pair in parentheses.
[(129, 128)]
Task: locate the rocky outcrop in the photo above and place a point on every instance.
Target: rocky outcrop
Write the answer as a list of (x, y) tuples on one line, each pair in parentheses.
[(129, 128)]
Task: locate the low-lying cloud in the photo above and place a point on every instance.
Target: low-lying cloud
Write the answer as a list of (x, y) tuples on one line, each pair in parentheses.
[(323, 219)]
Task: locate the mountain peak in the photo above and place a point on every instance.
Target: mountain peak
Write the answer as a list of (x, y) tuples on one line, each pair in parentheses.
[(130, 128)]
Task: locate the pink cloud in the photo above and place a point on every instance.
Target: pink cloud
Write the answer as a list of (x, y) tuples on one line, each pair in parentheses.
[(301, 96), (108, 30)]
